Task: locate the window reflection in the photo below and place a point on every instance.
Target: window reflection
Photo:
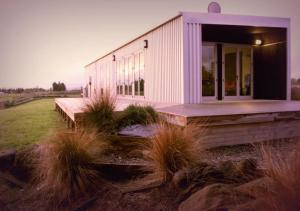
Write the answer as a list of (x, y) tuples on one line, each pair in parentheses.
[(130, 75), (230, 55), (245, 71), (208, 70)]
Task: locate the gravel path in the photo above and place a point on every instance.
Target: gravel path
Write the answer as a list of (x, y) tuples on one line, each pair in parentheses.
[(281, 148)]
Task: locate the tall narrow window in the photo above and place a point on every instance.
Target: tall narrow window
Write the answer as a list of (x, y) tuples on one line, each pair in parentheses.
[(117, 77), (245, 71), (121, 72), (130, 75), (126, 76), (208, 70), (136, 74), (142, 74), (101, 80), (230, 56)]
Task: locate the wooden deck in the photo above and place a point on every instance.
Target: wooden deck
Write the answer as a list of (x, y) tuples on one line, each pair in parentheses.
[(241, 122), (252, 110), (72, 108), (225, 123)]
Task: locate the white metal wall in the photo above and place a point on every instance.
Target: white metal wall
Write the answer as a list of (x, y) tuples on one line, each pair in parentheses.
[(163, 64), (192, 62)]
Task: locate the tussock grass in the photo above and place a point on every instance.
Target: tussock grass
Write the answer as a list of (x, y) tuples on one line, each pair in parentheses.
[(173, 149), (284, 188), (135, 114), (99, 113), (65, 165)]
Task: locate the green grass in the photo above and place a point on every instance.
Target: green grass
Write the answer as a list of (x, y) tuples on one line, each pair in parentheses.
[(28, 123)]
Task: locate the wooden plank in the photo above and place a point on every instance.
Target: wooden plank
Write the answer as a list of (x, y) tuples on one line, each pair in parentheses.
[(250, 133)]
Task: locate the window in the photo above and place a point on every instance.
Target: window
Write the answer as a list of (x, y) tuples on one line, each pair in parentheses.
[(245, 71), (230, 72), (118, 77), (136, 74), (102, 79), (208, 70), (142, 76), (126, 75), (130, 75), (121, 77)]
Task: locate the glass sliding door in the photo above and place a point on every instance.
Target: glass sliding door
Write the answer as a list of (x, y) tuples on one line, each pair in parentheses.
[(230, 71), (237, 72), (245, 71), (209, 71)]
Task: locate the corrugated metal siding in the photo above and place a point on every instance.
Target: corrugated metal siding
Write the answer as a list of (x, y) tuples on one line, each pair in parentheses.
[(193, 59), (163, 64)]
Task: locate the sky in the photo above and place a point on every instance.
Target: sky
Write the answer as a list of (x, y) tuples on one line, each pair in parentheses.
[(42, 41)]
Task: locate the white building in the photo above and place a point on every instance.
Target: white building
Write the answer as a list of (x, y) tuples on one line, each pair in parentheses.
[(196, 57)]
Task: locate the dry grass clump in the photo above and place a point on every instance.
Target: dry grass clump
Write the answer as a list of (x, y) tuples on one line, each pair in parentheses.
[(173, 149), (284, 174), (99, 113), (65, 167)]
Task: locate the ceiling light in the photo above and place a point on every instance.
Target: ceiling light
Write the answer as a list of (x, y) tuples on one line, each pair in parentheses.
[(258, 42)]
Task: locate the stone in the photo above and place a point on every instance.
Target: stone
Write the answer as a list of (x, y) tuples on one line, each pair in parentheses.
[(260, 185), (229, 170), (212, 174), (24, 163), (247, 166), (180, 178), (214, 197), (7, 158)]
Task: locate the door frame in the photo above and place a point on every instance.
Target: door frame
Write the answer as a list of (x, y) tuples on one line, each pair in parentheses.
[(238, 96)]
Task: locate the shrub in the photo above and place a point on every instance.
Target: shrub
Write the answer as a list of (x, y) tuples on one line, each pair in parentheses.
[(65, 167), (135, 114), (99, 113), (153, 114), (173, 149), (9, 103), (284, 187)]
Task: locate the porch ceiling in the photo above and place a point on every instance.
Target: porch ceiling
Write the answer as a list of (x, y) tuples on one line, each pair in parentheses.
[(241, 34)]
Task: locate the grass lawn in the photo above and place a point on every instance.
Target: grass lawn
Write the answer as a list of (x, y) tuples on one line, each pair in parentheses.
[(28, 123)]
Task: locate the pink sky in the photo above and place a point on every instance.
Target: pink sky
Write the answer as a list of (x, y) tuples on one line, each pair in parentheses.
[(51, 40)]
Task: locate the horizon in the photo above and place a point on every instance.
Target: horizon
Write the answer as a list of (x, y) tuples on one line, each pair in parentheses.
[(53, 41)]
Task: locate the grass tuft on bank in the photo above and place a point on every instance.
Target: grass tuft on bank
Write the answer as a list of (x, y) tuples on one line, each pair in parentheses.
[(65, 166), (173, 149)]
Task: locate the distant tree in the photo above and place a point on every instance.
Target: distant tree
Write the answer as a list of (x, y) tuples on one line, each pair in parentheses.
[(19, 90), (298, 81), (58, 86), (54, 86), (63, 87), (294, 81)]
